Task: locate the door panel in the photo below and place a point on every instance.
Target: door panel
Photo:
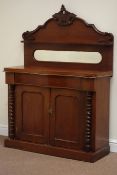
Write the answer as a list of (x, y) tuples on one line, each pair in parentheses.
[(62, 119), (66, 128), (32, 120), (35, 113)]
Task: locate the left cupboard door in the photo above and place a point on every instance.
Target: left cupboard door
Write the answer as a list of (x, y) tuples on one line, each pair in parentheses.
[(31, 111)]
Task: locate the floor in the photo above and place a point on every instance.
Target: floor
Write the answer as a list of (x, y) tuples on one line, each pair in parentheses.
[(17, 162)]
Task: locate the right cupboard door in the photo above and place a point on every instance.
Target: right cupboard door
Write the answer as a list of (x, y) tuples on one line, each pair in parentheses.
[(67, 118)]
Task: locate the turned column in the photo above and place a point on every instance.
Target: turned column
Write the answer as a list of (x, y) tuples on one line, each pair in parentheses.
[(88, 122), (11, 110)]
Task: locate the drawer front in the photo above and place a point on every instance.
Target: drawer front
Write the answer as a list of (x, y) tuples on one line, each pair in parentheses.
[(55, 81)]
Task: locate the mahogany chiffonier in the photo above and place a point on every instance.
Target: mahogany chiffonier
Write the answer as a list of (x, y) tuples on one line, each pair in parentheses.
[(58, 102)]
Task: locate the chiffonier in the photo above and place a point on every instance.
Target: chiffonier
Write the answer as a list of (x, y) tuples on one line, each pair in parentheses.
[(58, 102)]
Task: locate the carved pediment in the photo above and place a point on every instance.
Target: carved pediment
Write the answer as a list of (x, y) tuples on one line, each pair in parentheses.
[(67, 32), (65, 24), (64, 18)]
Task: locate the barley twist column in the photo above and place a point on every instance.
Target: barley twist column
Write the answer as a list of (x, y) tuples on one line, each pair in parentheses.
[(11, 110), (88, 122)]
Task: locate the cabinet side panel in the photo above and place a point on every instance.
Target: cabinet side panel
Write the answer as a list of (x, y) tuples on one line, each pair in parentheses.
[(102, 113)]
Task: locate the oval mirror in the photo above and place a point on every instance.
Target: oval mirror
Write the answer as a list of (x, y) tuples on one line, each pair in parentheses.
[(68, 56)]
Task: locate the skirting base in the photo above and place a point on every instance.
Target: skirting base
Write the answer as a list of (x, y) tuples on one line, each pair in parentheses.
[(57, 151)]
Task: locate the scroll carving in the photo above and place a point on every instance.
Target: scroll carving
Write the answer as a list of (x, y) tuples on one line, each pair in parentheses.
[(64, 17), (28, 36), (11, 111), (88, 122)]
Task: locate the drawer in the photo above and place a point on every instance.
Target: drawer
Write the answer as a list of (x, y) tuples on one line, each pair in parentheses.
[(54, 81)]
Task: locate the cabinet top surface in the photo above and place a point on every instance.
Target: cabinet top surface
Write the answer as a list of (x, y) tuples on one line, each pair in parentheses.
[(58, 72)]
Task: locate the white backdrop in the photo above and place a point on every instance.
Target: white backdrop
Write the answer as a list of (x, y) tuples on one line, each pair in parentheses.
[(18, 16)]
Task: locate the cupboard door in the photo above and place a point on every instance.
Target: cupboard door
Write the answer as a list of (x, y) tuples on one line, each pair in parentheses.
[(67, 118), (32, 122)]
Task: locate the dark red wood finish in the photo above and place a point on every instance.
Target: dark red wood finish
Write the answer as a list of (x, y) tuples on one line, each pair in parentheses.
[(33, 126), (61, 109), (68, 33)]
